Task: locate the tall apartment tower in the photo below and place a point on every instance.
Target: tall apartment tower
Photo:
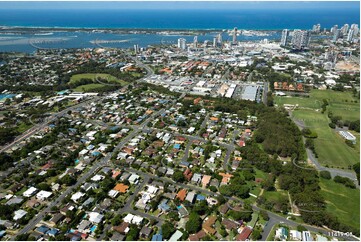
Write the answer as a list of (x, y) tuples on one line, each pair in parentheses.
[(316, 28), (195, 41), (344, 29), (284, 37), (234, 37), (350, 35), (182, 43), (300, 39), (219, 39), (336, 35)]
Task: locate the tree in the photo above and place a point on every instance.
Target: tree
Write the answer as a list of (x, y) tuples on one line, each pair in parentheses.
[(116, 220), (178, 176), (68, 180), (167, 230), (194, 223), (133, 233)]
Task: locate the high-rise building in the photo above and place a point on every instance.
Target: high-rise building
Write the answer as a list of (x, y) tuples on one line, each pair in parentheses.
[(234, 37), (316, 28), (336, 35), (284, 37), (182, 43), (350, 35), (214, 41), (300, 39), (333, 29), (136, 49), (219, 39), (344, 29), (355, 29), (195, 41)]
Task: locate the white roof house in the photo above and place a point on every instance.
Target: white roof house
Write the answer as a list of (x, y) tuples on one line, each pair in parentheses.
[(19, 214), (152, 189), (133, 179), (43, 195), (31, 191), (133, 219), (137, 220), (295, 235), (95, 217), (176, 236), (97, 178), (113, 193), (128, 218), (76, 196)]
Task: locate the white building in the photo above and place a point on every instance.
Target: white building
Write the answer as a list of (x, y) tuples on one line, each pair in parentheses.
[(95, 217), (19, 214), (348, 136), (284, 37), (43, 195), (300, 38), (306, 236), (30, 192), (76, 196), (182, 43)]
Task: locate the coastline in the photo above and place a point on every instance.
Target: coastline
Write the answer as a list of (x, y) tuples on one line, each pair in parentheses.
[(124, 29)]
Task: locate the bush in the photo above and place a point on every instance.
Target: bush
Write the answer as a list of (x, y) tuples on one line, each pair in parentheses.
[(325, 175), (332, 125), (346, 181)]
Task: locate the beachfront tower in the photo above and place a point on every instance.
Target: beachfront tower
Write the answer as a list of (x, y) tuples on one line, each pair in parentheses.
[(284, 37), (195, 41), (234, 38), (182, 43)]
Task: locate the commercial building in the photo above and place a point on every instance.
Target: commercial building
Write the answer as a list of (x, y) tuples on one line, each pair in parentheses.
[(250, 93)]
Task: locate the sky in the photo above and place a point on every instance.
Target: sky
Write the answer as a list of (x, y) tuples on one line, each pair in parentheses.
[(180, 5)]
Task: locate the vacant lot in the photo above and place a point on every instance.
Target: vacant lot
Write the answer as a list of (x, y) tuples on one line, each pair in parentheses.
[(342, 202)]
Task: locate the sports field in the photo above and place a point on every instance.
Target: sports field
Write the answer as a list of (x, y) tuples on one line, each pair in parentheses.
[(330, 147), (342, 202)]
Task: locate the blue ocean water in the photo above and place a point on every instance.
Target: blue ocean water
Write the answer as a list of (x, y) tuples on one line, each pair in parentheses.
[(265, 19)]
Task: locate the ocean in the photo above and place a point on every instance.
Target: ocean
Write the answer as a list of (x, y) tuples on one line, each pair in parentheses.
[(190, 19), (180, 19)]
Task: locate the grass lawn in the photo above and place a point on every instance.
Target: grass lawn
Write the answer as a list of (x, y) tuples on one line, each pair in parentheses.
[(88, 87), (23, 127), (93, 76), (330, 146), (342, 202), (340, 103), (274, 195)]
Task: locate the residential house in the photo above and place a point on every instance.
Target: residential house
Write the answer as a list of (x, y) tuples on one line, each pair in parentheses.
[(208, 224), (245, 233), (181, 195)]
